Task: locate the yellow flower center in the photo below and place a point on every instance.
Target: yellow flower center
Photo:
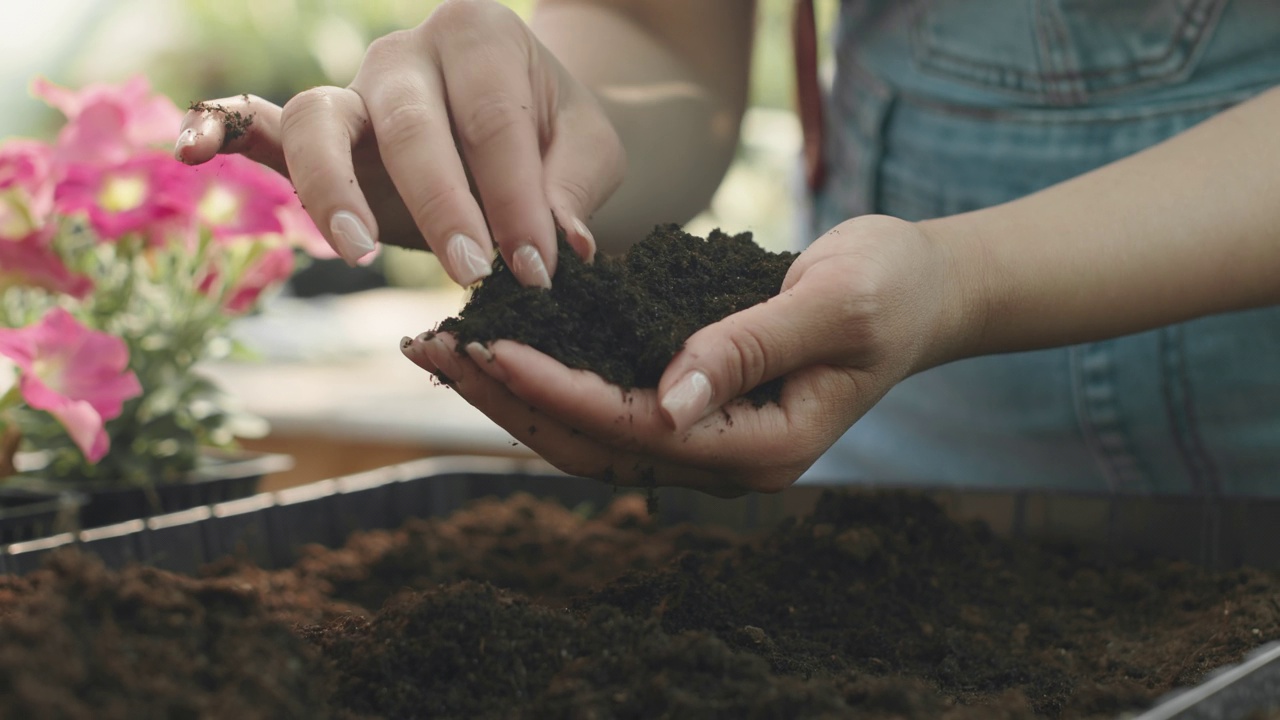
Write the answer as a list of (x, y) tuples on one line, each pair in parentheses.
[(219, 206), (122, 193), (51, 371), (16, 221)]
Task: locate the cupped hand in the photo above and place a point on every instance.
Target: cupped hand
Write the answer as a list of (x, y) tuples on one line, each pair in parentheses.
[(456, 135), (868, 304)]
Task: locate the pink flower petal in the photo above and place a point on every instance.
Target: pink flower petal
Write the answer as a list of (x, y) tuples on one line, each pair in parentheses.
[(79, 375), (30, 262), (149, 193), (83, 423), (105, 123)]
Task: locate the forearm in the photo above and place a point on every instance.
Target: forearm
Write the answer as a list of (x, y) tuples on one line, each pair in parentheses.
[(1188, 228), (672, 78)]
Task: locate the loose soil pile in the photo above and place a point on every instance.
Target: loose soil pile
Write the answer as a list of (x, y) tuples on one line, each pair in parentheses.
[(876, 606), (625, 318)]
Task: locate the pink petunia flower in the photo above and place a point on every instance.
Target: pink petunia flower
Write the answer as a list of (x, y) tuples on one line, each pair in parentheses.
[(238, 197), (299, 231), (31, 262), (108, 123), (78, 375), (26, 188), (272, 268), (149, 193)]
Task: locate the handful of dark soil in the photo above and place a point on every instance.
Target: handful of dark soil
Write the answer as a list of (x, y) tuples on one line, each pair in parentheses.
[(625, 318)]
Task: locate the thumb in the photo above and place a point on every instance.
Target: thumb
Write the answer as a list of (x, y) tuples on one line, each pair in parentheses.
[(582, 167), (726, 359)]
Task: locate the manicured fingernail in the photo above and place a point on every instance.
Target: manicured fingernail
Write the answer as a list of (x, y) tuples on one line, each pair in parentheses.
[(350, 237), (411, 350), (210, 122), (468, 261), (528, 266), (185, 140), (483, 357), (581, 228), (439, 354), (427, 346), (689, 400)]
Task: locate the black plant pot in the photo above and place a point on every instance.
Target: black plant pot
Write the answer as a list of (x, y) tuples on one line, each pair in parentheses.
[(218, 478), (28, 514)]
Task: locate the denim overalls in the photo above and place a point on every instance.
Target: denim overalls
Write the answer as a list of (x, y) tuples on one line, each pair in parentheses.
[(945, 106)]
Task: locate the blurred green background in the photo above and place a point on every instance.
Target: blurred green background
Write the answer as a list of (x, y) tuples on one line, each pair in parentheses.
[(202, 49)]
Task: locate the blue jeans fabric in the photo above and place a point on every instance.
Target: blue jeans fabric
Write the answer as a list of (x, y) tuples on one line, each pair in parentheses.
[(946, 106)]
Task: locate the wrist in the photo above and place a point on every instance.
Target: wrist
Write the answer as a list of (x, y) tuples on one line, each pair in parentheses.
[(968, 290)]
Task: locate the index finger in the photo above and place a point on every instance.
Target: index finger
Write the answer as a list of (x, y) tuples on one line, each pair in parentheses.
[(406, 104), (243, 124)]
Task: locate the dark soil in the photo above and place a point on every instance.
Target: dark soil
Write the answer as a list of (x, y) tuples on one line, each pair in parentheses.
[(877, 606), (625, 318), (234, 123)]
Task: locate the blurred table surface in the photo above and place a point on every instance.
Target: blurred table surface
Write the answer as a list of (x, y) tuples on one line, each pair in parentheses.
[(338, 395)]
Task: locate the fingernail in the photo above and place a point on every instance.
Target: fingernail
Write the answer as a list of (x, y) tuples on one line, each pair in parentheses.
[(581, 228), (483, 357), (439, 354), (350, 237), (469, 262), (185, 140), (689, 400), (210, 123), (528, 266), (427, 346)]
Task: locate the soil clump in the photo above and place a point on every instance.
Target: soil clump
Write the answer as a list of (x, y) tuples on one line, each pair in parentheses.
[(626, 317)]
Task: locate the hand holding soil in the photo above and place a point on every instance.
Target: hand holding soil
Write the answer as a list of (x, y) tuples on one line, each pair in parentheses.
[(863, 307), (466, 109)]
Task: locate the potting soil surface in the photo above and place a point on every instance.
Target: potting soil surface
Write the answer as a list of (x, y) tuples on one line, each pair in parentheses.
[(875, 606)]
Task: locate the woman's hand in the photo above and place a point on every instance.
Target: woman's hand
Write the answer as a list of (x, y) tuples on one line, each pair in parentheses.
[(871, 302), (456, 135)]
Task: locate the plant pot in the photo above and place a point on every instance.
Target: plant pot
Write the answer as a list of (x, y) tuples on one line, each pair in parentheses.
[(28, 514), (219, 477)]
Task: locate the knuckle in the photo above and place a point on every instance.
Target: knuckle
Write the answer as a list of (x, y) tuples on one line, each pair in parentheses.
[(307, 104), (390, 45), (451, 12), (748, 356), (432, 204), (580, 197), (454, 18), (489, 119), (401, 123)]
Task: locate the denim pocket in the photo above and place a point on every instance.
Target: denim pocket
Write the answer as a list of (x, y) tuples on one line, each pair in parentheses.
[(1062, 52)]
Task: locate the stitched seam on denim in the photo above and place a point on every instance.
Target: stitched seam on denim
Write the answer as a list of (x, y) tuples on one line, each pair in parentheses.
[(1178, 41), (1181, 414), (1094, 388), (1058, 52), (1059, 116), (1196, 442), (1083, 418)]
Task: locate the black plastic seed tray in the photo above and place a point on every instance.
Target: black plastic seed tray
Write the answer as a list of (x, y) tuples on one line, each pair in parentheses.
[(271, 528), (1248, 691)]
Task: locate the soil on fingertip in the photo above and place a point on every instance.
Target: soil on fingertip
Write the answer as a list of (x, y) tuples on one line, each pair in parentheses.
[(234, 123), (626, 317)]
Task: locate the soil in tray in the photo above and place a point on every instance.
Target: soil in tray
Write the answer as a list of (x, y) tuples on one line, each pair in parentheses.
[(877, 606)]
